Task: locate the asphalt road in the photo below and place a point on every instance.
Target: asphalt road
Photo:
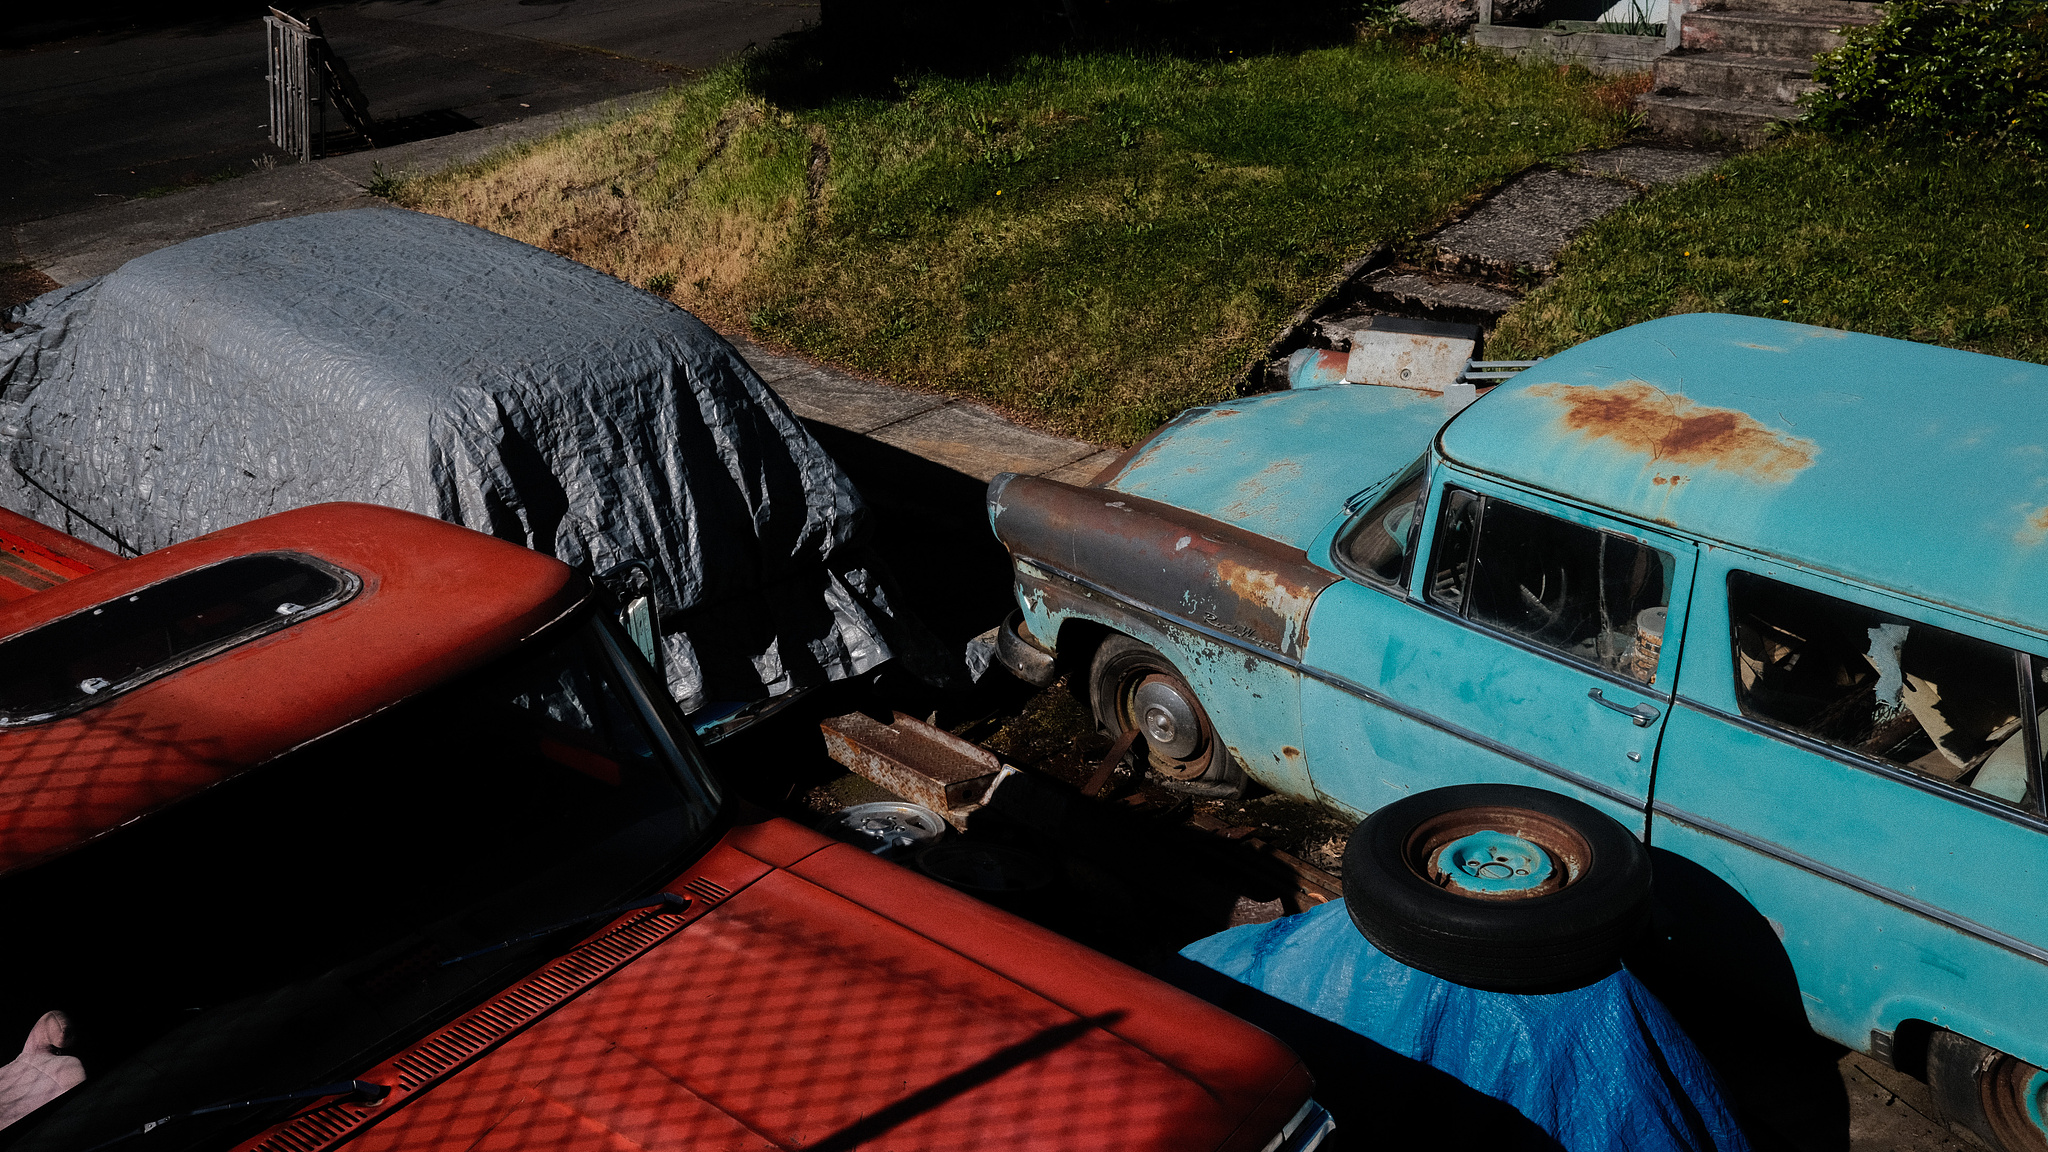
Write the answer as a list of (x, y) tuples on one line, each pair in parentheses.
[(99, 118)]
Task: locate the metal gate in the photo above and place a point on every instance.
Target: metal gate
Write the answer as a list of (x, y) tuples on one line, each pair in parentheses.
[(298, 110), (304, 74)]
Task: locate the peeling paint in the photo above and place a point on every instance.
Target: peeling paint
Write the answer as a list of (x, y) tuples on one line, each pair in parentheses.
[(1672, 429)]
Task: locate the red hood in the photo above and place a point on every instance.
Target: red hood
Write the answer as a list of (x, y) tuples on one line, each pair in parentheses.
[(836, 1001)]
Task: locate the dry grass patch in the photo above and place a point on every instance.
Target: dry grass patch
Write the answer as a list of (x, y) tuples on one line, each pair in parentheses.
[(1092, 242)]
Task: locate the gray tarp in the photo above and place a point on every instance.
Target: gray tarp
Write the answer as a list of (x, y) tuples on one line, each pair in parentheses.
[(416, 362)]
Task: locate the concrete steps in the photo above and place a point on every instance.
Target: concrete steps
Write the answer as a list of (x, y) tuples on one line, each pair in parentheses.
[(1706, 118), (1763, 33), (1742, 65), (1737, 76)]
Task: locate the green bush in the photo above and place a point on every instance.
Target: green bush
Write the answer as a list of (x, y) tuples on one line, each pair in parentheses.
[(1966, 72)]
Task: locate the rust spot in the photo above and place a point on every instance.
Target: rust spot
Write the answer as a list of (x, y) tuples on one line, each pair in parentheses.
[(1674, 481), (1672, 429), (2034, 531), (1290, 751), (1259, 585)]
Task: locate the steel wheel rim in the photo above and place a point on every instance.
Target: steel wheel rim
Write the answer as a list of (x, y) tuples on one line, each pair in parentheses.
[(2012, 1091), (1497, 853)]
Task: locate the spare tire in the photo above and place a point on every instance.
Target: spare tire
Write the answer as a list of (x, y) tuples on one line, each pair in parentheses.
[(1498, 887)]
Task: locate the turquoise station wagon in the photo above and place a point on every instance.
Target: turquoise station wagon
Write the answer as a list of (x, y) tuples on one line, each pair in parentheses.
[(1773, 597)]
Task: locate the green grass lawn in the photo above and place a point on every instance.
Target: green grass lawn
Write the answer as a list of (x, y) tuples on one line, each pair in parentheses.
[(1092, 242), (1946, 247)]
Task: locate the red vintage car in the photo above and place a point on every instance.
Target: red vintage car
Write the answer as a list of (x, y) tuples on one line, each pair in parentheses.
[(350, 826)]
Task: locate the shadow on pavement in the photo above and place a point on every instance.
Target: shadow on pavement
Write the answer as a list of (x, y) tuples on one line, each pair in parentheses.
[(397, 130)]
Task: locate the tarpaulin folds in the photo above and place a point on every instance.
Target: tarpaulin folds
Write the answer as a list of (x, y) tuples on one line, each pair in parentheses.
[(1604, 1068), (407, 360)]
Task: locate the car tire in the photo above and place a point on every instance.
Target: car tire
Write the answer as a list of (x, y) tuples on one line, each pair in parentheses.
[(1132, 684), (1498, 887), (1996, 1096)]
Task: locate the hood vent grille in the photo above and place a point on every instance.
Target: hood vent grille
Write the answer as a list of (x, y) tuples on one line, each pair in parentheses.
[(706, 892), (447, 1050)]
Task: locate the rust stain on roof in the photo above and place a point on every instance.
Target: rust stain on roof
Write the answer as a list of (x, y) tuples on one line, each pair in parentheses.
[(1672, 429), (2034, 530)]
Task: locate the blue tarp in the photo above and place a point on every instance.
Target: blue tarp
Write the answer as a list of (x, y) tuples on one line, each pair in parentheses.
[(1603, 1068)]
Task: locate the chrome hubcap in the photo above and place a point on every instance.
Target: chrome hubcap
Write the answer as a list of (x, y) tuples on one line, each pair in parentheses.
[(1166, 718)]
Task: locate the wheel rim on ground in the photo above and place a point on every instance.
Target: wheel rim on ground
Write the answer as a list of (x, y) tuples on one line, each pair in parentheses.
[(2013, 1092)]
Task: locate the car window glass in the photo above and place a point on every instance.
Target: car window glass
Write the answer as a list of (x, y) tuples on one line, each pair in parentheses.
[(1457, 528), (92, 656), (1940, 703), (1597, 596), (1378, 546)]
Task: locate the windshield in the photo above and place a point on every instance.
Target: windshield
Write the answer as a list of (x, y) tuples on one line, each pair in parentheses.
[(1380, 544), (286, 928)]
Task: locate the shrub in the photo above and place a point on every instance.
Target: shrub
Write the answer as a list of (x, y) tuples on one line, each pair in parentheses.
[(1965, 72)]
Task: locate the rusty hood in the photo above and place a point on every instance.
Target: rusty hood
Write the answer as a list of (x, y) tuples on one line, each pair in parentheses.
[(814, 997), (1282, 465)]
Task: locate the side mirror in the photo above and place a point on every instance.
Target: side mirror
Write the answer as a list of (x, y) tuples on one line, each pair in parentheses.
[(632, 587)]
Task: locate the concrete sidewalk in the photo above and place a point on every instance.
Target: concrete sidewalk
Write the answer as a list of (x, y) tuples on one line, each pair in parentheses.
[(963, 436), (79, 245)]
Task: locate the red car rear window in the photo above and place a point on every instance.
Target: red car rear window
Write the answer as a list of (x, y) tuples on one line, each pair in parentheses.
[(92, 656)]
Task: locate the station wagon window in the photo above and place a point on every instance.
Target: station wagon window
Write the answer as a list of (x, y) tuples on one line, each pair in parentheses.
[(1596, 596), (1940, 703), (1378, 547)]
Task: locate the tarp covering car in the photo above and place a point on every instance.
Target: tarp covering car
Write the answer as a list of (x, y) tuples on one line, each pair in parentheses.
[(1604, 1068), (416, 362)]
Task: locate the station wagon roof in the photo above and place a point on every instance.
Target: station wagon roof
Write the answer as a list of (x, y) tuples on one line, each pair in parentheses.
[(436, 601), (1903, 465)]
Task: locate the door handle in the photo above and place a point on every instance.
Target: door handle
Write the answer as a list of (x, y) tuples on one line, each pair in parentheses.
[(1642, 714)]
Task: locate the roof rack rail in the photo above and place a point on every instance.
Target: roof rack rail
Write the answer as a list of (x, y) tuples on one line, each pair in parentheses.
[(1495, 371)]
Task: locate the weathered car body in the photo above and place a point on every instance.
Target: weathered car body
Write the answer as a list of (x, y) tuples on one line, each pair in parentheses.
[(1372, 595), (424, 857)]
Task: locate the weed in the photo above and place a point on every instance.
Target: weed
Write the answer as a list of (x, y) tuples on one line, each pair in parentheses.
[(383, 185)]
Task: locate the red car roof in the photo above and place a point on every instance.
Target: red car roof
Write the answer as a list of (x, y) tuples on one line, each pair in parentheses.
[(436, 600), (820, 998)]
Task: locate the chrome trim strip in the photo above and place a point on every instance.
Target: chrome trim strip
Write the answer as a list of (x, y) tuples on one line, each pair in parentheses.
[(1897, 899), (1634, 803), (1871, 764)]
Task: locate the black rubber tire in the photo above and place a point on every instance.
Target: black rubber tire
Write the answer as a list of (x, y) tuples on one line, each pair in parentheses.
[(1976, 1086), (1120, 661), (1552, 942)]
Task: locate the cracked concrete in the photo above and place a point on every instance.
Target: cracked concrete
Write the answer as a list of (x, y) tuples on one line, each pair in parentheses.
[(1529, 223)]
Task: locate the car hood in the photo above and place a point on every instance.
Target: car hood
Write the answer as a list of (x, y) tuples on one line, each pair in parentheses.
[(1281, 465), (826, 999)]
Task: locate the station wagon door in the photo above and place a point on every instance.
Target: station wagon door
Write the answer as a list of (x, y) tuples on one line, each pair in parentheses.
[(1858, 768), (1523, 646)]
